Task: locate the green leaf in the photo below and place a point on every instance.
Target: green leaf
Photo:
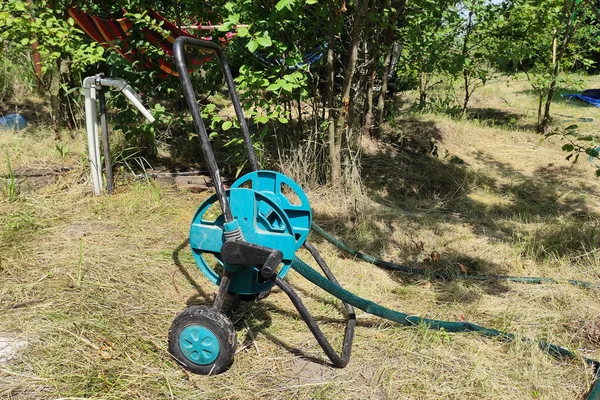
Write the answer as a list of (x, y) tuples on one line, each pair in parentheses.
[(264, 41), (243, 32), (24, 41), (226, 26), (568, 147), (598, 172), (261, 119), (284, 3), (283, 120), (273, 87), (252, 46), (226, 125), (571, 127), (586, 138)]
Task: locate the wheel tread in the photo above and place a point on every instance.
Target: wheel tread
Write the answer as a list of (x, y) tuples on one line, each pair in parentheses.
[(201, 314)]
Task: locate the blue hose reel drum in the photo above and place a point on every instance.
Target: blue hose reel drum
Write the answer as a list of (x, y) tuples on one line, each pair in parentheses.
[(266, 216)]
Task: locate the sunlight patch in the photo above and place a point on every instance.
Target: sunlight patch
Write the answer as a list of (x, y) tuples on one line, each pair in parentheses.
[(9, 348)]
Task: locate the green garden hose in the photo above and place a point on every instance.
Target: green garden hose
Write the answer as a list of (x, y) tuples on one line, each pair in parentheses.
[(407, 270), (410, 320)]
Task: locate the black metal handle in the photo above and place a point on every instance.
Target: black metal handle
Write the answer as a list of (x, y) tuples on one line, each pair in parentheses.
[(190, 96), (204, 44)]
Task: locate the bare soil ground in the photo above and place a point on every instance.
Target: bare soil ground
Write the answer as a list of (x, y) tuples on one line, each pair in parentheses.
[(89, 285)]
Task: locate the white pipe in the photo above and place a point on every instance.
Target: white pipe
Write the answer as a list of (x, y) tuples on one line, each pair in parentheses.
[(124, 87), (91, 125), (91, 121)]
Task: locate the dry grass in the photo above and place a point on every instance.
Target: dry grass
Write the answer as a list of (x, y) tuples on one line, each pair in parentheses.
[(93, 283)]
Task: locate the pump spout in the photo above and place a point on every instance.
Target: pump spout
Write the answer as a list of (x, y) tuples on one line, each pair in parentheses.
[(131, 95)]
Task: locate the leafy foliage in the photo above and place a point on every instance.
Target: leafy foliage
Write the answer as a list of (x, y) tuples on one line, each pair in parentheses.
[(578, 144), (362, 51)]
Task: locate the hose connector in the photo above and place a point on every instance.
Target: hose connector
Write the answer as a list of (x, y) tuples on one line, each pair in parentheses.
[(232, 231)]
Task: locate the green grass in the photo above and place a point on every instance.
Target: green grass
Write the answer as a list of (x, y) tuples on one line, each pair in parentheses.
[(93, 283), (10, 183)]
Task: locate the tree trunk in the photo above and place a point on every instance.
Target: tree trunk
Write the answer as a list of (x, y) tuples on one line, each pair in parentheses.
[(467, 94), (341, 126), (390, 37), (384, 83), (371, 57), (465, 51), (541, 101), (422, 89), (334, 156), (368, 122), (62, 114), (544, 125)]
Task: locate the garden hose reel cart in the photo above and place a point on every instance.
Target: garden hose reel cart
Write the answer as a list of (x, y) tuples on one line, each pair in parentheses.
[(264, 218)]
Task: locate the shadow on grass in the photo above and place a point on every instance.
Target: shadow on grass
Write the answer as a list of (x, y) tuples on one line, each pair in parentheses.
[(255, 318), (497, 202), (202, 297), (500, 118)]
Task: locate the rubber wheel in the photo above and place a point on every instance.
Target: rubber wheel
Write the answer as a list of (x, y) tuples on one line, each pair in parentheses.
[(202, 340)]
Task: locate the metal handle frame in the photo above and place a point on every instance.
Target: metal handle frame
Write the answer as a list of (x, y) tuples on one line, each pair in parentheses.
[(338, 360), (190, 96)]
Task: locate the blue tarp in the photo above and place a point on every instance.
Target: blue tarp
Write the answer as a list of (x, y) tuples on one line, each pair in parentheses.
[(591, 100)]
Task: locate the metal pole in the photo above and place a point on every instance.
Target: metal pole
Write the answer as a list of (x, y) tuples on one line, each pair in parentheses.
[(105, 140), (91, 125)]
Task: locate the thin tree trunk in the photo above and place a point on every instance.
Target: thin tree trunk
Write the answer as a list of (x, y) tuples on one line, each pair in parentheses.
[(368, 122), (545, 123), (388, 43), (299, 100), (384, 81), (467, 94), (372, 55), (334, 159), (341, 127), (422, 88), (541, 102), (465, 50)]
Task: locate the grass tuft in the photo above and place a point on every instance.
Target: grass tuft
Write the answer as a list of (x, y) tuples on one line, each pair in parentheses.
[(10, 183)]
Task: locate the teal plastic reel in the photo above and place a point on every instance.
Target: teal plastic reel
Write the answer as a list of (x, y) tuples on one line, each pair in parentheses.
[(264, 219), (287, 194)]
